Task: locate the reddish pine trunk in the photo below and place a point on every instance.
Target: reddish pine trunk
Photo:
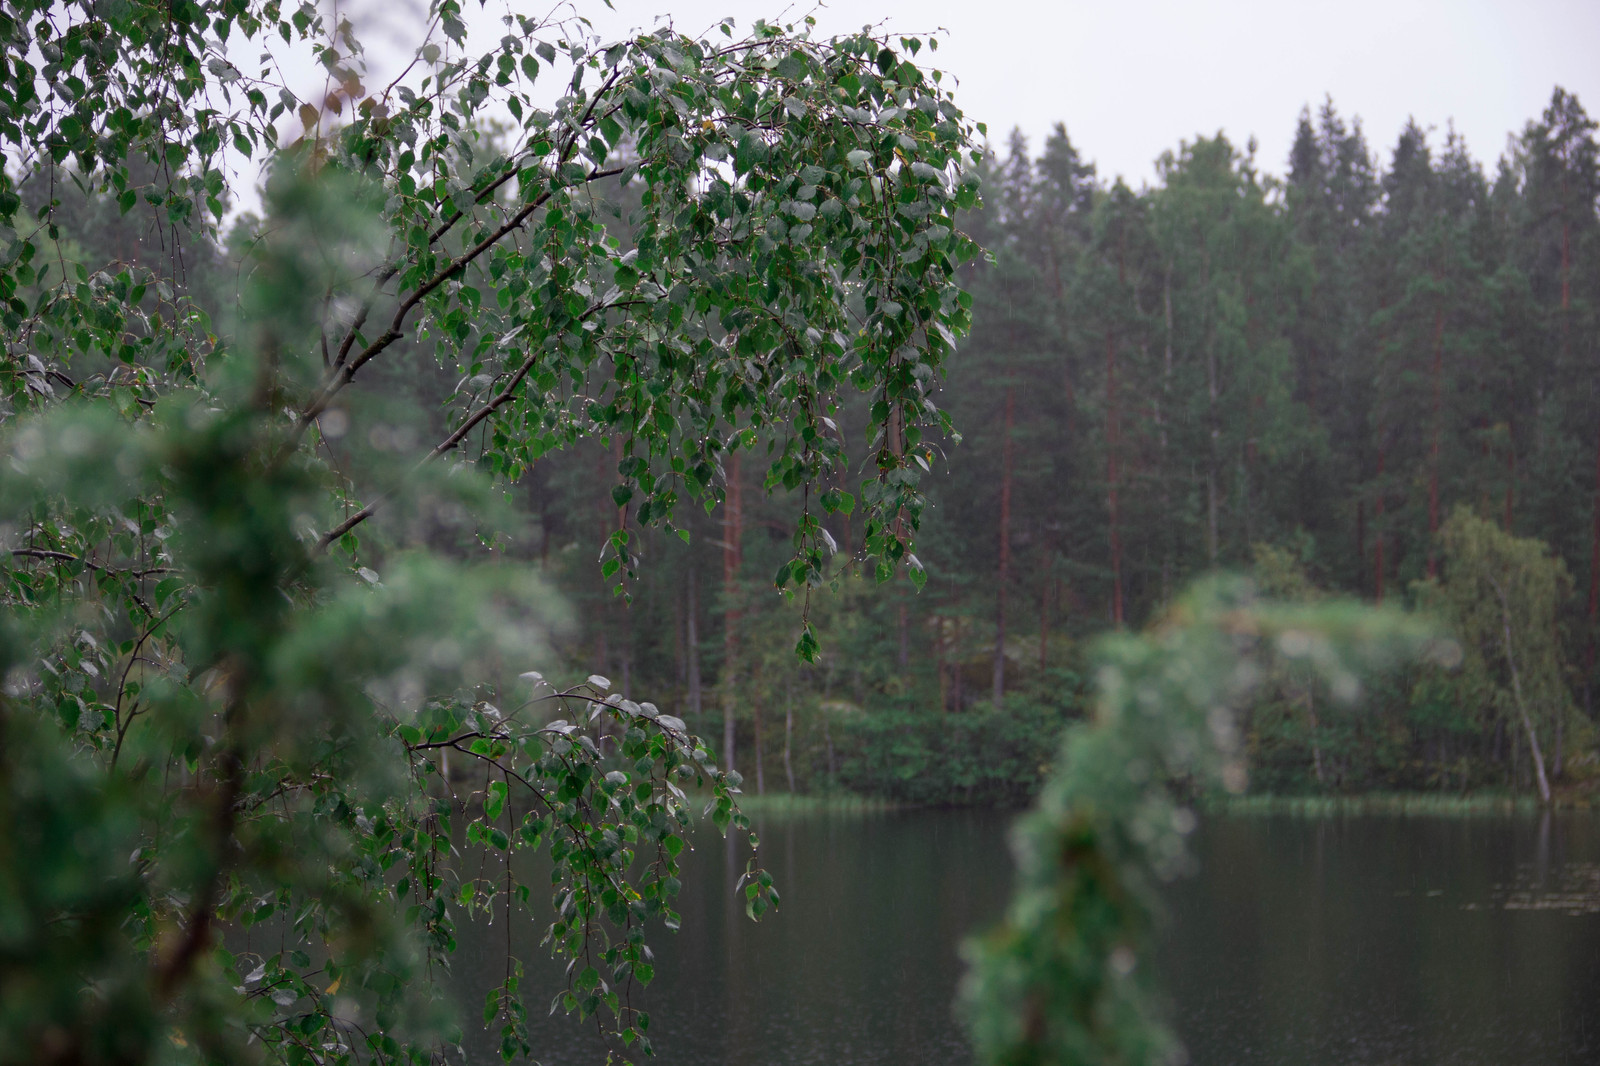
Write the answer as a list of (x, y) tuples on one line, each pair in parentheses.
[(1071, 405), (1566, 263), (1252, 451), (1594, 538), (1594, 569), (938, 663), (761, 776), (1111, 479), (1044, 622), (1361, 542), (1213, 417), (1161, 429), (788, 734), (1511, 480), (1438, 415), (691, 639), (1486, 453), (1377, 537), (846, 545), (1213, 457), (732, 558), (616, 454), (1066, 363), (1005, 554), (905, 637), (680, 660)]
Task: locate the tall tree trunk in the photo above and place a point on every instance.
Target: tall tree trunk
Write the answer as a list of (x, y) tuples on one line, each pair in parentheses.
[(1433, 457), (1594, 584), (1361, 544), (1070, 391), (1213, 421), (761, 775), (788, 733), (692, 643), (846, 540), (1004, 576), (1316, 742), (1163, 403), (1377, 533), (1566, 253), (1247, 471), (1516, 760), (680, 651), (1516, 691), (732, 558), (1557, 764), (827, 740), (1111, 480), (1044, 622), (1566, 320), (1213, 456), (1594, 540), (1511, 476), (903, 622), (627, 652)]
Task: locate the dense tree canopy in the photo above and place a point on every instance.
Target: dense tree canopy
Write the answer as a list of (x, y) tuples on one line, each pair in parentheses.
[(1159, 380), (289, 498)]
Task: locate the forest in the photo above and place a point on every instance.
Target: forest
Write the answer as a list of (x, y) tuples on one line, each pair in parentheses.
[(520, 485), (1297, 378)]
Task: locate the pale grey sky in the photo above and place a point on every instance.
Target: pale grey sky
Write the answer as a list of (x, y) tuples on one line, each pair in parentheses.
[(1130, 80)]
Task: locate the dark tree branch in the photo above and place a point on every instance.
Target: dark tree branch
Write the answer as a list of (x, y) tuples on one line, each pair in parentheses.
[(450, 443), (439, 231), (89, 564), (346, 369)]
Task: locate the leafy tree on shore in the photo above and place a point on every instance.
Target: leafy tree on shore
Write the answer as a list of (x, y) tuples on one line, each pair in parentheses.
[(1504, 596)]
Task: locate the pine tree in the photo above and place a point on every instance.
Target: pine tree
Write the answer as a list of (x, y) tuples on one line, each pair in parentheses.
[(1561, 255), (1330, 198)]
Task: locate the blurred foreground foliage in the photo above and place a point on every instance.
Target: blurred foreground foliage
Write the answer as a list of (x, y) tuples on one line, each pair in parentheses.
[(258, 761), (1068, 975)]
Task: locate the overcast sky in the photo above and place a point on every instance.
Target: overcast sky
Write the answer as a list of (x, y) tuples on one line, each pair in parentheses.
[(1131, 79)]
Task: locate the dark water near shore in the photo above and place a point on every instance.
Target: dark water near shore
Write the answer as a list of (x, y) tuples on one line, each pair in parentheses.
[(1341, 941)]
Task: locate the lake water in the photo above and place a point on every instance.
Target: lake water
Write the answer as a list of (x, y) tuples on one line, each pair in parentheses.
[(1341, 941)]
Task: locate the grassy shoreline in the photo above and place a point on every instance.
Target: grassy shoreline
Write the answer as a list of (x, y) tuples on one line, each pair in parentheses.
[(1404, 804), (1391, 803), (780, 803)]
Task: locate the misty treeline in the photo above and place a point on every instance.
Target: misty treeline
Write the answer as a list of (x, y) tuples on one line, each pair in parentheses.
[(1302, 376), (1299, 378), (1230, 370), (1302, 379)]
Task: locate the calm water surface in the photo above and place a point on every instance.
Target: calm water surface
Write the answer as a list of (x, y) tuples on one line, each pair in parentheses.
[(1352, 941)]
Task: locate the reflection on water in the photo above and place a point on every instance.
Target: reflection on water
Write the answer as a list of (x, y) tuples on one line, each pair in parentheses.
[(857, 967), (1576, 893), (1353, 941), (1382, 940)]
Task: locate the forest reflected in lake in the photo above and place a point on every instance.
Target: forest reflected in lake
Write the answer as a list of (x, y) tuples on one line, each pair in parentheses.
[(1331, 941)]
